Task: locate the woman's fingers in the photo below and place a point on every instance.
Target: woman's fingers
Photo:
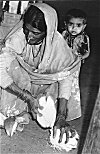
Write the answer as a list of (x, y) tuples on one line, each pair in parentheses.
[(54, 131), (67, 136), (62, 131)]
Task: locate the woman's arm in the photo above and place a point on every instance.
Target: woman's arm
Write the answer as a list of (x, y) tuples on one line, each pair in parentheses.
[(5, 61), (65, 87)]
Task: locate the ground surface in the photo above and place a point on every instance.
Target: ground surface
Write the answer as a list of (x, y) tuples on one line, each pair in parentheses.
[(34, 140)]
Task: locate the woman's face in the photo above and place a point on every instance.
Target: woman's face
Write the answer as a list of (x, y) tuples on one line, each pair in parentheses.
[(75, 26), (33, 35)]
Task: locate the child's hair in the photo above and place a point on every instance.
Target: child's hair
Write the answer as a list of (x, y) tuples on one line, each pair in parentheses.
[(76, 13)]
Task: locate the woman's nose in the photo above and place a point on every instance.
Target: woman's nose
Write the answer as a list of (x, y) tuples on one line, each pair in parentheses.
[(30, 35)]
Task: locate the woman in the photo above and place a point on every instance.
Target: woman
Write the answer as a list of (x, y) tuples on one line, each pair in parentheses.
[(36, 61)]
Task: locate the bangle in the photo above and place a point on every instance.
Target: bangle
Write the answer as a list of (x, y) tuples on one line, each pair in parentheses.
[(61, 116)]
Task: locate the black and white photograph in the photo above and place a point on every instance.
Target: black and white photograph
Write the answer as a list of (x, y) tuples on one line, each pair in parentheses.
[(50, 77)]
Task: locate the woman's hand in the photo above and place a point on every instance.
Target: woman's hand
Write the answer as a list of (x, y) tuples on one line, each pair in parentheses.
[(61, 122), (33, 104), (26, 96), (64, 127)]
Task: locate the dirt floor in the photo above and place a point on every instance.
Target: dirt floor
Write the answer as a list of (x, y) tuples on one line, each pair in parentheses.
[(33, 140)]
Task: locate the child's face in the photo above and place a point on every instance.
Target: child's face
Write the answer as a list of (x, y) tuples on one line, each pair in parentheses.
[(75, 26)]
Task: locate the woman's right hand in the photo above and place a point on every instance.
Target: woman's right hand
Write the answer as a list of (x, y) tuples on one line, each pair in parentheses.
[(33, 104)]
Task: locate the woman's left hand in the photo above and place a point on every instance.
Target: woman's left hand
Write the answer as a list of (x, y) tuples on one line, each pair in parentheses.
[(64, 127)]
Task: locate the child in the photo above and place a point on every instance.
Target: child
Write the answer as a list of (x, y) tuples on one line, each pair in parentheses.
[(74, 33)]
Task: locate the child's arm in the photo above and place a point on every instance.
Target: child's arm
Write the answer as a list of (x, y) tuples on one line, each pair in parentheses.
[(87, 50)]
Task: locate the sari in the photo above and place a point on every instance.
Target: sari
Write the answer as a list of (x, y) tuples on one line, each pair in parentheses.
[(54, 72)]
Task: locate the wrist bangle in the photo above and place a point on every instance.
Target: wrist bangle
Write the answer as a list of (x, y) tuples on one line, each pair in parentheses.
[(61, 116)]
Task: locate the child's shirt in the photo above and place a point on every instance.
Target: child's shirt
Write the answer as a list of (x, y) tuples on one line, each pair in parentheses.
[(79, 43)]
